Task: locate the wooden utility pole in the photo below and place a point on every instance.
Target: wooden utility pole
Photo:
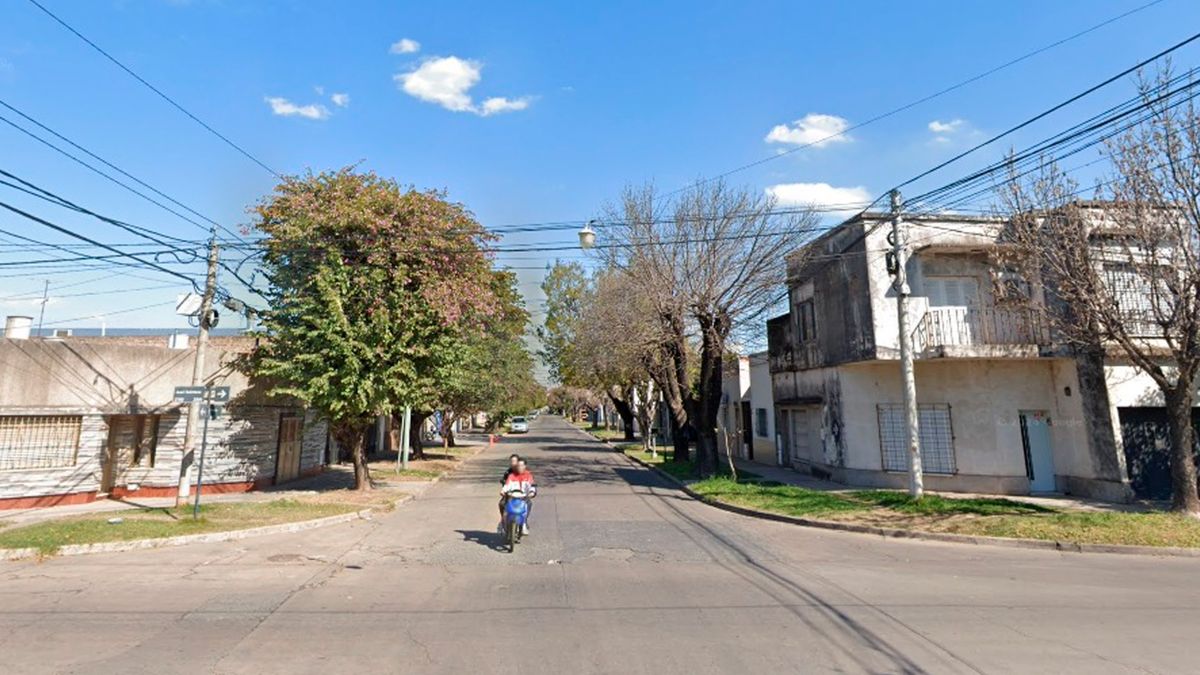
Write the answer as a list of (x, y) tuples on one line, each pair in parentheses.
[(899, 237), (193, 418)]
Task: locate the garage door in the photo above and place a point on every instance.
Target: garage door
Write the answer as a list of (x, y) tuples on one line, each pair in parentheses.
[(1147, 450)]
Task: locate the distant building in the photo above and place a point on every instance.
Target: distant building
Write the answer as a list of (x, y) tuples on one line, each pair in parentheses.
[(82, 418), (747, 410)]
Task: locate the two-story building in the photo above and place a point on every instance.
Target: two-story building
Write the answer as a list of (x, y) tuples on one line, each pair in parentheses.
[(1004, 406)]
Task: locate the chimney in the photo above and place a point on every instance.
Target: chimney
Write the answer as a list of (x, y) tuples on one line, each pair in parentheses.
[(18, 327)]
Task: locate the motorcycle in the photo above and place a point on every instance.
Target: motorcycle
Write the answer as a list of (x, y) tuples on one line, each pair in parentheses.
[(516, 510)]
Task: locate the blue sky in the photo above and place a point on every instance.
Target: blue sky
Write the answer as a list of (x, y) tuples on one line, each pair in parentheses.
[(526, 112)]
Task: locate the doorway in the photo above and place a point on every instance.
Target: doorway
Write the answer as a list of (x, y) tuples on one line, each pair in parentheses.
[(1039, 455), (747, 430), (287, 466), (132, 442)]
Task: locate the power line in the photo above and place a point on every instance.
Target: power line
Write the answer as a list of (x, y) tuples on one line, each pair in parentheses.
[(1051, 110), (1093, 131), (156, 90), (63, 230), (113, 313), (86, 294), (116, 168), (925, 99)]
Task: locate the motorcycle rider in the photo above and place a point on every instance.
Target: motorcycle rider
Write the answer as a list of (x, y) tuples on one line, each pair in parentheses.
[(512, 466), (518, 479)]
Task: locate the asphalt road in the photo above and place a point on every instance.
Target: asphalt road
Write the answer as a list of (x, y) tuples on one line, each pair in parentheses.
[(621, 575)]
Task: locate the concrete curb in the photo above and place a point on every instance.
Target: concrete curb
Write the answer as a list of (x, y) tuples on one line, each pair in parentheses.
[(944, 537), (214, 537), (206, 538)]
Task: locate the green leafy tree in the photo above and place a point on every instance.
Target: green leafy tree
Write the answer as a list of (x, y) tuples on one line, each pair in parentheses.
[(370, 285), (566, 287), (494, 370)]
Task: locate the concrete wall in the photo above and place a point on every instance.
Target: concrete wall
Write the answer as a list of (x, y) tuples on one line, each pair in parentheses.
[(761, 398), (96, 380), (985, 398), (735, 388)]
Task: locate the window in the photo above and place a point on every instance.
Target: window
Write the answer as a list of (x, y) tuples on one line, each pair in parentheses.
[(38, 441), (807, 322), (760, 422), (937, 437), (952, 291), (1131, 287)]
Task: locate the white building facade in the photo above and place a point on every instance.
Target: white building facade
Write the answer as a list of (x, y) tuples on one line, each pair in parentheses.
[(1004, 407)]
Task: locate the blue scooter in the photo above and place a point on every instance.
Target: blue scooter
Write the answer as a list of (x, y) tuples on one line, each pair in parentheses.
[(516, 510)]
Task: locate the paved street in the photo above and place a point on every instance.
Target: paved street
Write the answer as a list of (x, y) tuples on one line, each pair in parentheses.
[(622, 575)]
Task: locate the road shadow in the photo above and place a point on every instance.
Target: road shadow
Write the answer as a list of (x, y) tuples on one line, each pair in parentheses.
[(492, 540)]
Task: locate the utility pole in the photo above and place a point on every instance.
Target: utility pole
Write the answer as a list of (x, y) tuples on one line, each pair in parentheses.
[(916, 483), (193, 418), (45, 299)]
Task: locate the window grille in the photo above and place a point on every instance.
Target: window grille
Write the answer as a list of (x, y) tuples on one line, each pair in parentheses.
[(936, 437), (760, 422), (38, 441)]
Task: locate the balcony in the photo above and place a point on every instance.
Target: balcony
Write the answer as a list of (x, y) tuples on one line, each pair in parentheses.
[(981, 332)]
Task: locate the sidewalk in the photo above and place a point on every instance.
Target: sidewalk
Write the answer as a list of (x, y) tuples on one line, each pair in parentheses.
[(789, 477), (334, 477)]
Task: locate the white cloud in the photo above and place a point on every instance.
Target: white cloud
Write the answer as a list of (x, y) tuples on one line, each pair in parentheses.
[(944, 132), (448, 80), (840, 200), (813, 129), (320, 90), (285, 108), (500, 104), (405, 46), (340, 100), (939, 127)]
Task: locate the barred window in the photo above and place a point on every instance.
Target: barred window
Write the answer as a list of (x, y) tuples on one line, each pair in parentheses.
[(38, 441), (936, 437)]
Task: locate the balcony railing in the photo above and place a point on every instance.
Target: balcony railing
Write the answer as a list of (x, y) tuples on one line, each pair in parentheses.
[(795, 357), (969, 326)]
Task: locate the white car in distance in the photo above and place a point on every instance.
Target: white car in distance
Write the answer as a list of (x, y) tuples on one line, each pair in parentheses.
[(518, 425)]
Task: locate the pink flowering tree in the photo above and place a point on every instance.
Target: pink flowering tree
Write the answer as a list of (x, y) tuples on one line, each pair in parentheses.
[(372, 287)]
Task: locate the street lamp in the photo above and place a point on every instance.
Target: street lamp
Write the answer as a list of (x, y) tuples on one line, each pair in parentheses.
[(587, 236)]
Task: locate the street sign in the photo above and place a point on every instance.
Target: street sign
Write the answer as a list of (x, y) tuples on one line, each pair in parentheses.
[(188, 394), (217, 395)]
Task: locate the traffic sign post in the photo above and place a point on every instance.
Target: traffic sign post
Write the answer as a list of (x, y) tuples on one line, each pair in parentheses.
[(213, 399), (200, 468)]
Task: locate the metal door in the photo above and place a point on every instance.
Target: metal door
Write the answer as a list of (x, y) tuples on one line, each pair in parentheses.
[(1039, 455), (805, 435), (290, 441)]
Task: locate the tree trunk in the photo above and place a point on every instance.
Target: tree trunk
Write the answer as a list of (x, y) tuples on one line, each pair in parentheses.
[(625, 410), (447, 431), (1184, 498), (679, 441), (415, 441), (712, 357), (349, 436)]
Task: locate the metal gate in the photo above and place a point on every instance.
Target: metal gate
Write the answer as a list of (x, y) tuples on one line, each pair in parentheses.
[(1147, 444)]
